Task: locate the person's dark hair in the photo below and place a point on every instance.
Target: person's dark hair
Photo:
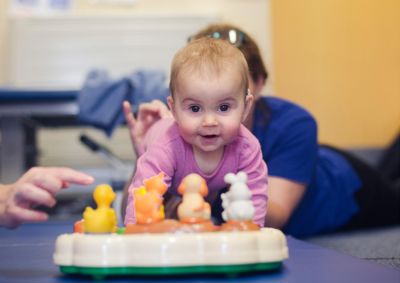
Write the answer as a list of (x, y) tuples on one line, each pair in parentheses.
[(247, 45)]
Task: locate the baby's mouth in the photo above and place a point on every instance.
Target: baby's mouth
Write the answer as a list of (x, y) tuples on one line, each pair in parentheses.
[(209, 136), (208, 139)]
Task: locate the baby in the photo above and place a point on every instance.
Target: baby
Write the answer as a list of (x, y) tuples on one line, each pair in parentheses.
[(209, 101)]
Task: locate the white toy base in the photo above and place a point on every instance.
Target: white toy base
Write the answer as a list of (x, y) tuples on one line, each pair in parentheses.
[(101, 255)]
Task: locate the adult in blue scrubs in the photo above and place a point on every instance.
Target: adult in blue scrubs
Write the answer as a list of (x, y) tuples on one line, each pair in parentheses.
[(312, 189)]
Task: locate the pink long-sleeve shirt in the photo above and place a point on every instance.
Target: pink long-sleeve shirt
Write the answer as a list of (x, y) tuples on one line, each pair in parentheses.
[(166, 151)]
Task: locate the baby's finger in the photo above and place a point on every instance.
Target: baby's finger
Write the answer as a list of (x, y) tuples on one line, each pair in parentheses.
[(149, 114), (162, 109), (147, 109), (130, 119)]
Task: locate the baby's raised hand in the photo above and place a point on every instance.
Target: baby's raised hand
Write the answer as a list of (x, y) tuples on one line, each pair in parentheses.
[(148, 114)]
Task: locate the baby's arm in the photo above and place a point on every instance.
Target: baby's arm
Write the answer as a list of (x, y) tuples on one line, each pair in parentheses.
[(149, 164), (254, 166)]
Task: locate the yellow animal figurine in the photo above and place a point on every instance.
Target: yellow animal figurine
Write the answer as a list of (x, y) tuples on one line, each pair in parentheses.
[(193, 208), (149, 201), (102, 219)]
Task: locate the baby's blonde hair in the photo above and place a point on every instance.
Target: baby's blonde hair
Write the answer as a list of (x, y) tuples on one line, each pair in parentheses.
[(208, 56)]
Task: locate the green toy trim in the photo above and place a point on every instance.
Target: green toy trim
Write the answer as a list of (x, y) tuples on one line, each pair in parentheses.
[(121, 231), (101, 272)]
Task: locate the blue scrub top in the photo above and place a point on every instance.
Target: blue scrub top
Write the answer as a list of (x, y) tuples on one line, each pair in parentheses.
[(288, 139)]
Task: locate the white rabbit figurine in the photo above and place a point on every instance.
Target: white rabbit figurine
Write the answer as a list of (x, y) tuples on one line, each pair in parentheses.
[(237, 202)]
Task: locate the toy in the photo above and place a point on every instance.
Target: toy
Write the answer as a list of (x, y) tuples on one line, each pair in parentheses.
[(102, 219), (193, 212), (170, 247), (237, 202), (193, 208), (148, 200)]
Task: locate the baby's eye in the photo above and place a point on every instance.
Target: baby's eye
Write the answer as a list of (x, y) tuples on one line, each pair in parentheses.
[(224, 107), (194, 108)]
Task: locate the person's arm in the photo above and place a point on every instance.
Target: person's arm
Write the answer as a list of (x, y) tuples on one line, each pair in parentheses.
[(251, 162), (283, 197), (160, 156), (148, 114), (38, 186), (291, 153)]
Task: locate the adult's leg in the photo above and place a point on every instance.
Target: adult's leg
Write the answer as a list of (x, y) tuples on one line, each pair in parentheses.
[(389, 165), (378, 198)]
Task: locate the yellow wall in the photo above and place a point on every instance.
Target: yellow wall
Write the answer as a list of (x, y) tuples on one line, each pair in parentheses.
[(341, 60)]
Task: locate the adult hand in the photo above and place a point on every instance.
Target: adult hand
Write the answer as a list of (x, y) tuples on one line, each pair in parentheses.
[(148, 114), (38, 186)]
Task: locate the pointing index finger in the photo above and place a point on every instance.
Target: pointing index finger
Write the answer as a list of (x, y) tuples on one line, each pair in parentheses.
[(68, 175)]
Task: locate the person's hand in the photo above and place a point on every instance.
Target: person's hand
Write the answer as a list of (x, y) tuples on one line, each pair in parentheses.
[(148, 114), (38, 186)]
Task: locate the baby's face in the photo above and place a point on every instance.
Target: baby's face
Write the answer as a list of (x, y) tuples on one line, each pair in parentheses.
[(209, 108)]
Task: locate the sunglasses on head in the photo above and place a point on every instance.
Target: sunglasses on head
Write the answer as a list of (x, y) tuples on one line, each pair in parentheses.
[(233, 36)]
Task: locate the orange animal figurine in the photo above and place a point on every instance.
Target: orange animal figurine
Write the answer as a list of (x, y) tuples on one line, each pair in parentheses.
[(149, 206), (193, 208)]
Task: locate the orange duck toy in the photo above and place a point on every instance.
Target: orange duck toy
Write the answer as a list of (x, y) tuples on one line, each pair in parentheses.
[(149, 206)]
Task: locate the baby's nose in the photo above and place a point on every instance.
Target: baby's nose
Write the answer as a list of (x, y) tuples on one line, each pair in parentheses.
[(210, 120)]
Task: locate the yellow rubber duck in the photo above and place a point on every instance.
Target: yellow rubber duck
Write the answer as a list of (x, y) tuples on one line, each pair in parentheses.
[(103, 219)]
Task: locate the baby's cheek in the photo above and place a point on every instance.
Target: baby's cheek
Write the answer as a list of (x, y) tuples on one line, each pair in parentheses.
[(186, 129), (231, 130)]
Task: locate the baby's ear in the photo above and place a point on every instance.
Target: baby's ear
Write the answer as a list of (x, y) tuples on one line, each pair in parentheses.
[(249, 100), (170, 102)]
